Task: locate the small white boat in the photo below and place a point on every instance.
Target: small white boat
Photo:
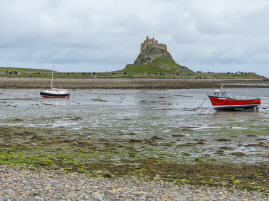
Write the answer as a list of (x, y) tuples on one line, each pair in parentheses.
[(54, 92)]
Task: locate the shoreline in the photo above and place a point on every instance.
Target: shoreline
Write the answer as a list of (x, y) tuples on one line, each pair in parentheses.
[(41, 184), (132, 83)]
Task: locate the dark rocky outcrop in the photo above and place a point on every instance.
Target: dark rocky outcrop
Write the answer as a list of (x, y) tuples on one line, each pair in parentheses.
[(150, 53)]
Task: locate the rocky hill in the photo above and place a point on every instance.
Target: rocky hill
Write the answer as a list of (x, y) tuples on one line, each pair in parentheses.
[(154, 58)]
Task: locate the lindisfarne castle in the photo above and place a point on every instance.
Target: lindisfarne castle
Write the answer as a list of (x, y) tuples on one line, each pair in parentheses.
[(155, 58)]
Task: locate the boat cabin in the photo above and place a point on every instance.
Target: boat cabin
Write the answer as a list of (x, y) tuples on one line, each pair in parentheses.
[(222, 93)]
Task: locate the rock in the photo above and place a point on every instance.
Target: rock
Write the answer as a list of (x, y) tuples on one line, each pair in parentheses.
[(251, 135), (238, 154), (134, 140), (35, 193), (262, 144), (223, 140), (107, 174), (156, 138), (98, 100), (99, 196), (178, 135)]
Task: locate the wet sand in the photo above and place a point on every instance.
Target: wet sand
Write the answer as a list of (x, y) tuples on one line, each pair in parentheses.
[(131, 83)]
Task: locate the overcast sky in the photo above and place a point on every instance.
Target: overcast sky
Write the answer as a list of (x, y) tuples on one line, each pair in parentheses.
[(105, 35)]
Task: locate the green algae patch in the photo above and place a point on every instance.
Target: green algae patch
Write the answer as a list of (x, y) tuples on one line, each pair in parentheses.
[(252, 177)]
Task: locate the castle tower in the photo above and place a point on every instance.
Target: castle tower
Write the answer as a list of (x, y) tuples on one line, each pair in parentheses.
[(152, 42)]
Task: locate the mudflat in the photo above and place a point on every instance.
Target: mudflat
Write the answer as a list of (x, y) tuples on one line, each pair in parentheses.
[(131, 145), (132, 83)]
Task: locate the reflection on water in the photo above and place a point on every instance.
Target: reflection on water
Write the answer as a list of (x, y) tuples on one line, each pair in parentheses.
[(146, 113)]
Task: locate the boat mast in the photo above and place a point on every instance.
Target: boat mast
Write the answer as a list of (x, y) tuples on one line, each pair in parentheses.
[(221, 86), (51, 83)]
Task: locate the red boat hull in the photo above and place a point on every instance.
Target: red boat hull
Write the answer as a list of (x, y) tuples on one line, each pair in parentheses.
[(224, 103)]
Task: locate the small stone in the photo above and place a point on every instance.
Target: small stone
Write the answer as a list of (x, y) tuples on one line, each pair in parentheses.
[(134, 140), (107, 174), (99, 196)]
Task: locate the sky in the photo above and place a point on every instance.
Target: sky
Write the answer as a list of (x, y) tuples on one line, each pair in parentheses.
[(105, 35)]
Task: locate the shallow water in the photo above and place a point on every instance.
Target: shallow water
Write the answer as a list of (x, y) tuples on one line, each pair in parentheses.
[(184, 121)]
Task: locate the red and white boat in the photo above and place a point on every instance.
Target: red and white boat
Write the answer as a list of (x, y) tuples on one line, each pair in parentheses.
[(222, 100)]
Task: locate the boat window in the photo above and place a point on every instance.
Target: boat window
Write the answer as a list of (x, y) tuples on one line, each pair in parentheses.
[(223, 94), (216, 93)]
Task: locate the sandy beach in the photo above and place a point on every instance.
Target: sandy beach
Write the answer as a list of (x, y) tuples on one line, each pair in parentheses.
[(130, 83)]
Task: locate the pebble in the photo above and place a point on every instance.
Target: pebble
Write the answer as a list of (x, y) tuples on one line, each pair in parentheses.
[(43, 185)]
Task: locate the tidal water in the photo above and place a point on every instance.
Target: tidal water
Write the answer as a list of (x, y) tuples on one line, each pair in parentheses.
[(183, 121)]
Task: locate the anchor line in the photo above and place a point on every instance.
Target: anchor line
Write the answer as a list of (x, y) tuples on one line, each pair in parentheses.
[(201, 103)]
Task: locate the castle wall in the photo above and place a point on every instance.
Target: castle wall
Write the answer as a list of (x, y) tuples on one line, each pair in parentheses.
[(163, 47), (152, 42)]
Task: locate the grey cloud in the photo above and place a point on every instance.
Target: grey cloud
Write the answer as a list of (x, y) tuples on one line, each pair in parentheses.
[(104, 35)]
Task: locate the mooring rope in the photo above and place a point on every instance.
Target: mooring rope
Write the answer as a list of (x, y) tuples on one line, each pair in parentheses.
[(201, 104)]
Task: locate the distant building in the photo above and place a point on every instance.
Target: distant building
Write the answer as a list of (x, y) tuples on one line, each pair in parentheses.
[(241, 73), (152, 42)]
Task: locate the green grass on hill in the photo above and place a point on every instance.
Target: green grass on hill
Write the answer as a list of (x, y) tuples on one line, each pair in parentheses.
[(22, 70), (132, 71), (156, 67)]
